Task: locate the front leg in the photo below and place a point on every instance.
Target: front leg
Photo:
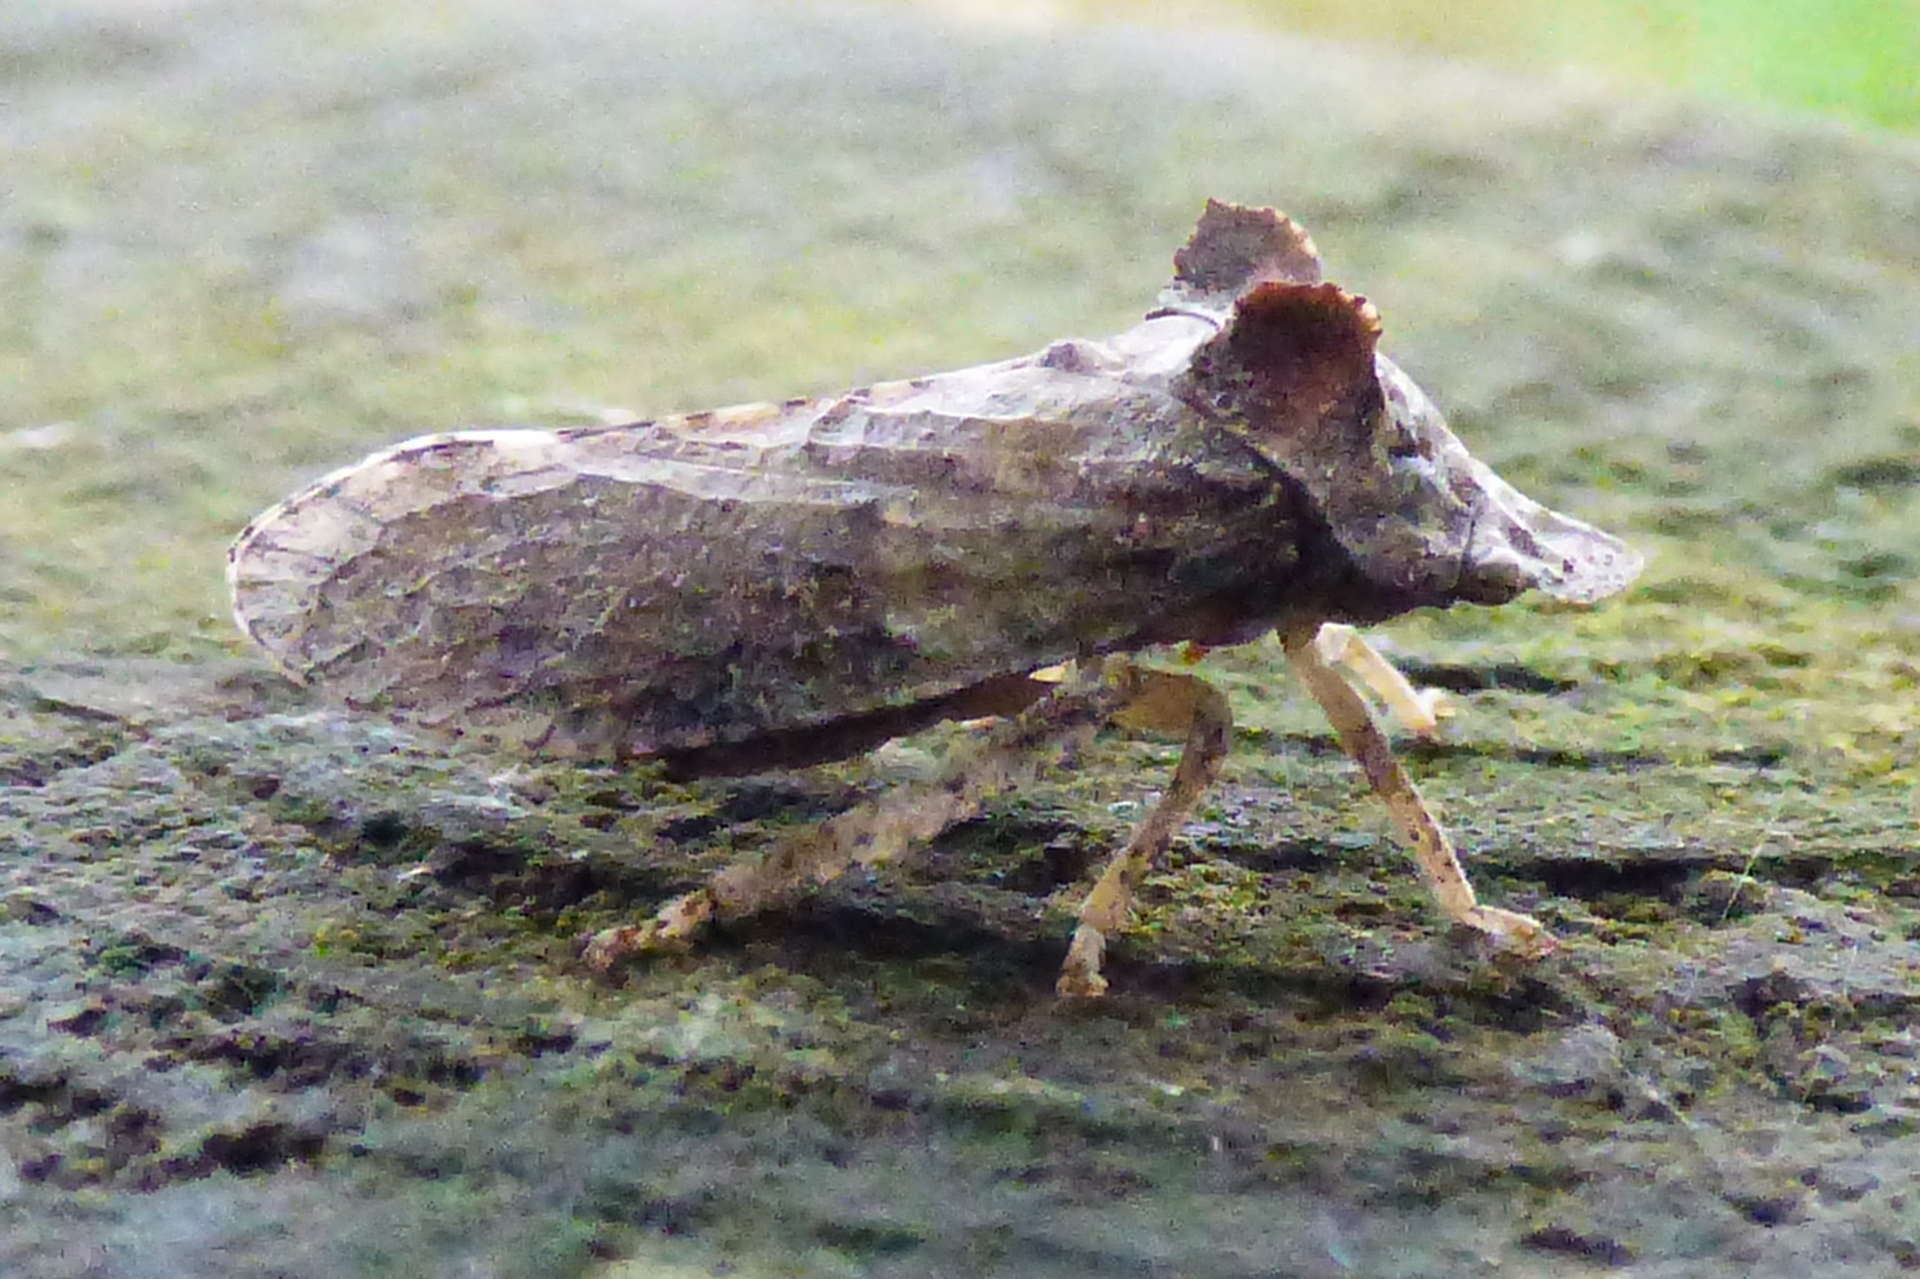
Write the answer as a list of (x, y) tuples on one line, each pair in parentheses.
[(1362, 739), (1420, 709)]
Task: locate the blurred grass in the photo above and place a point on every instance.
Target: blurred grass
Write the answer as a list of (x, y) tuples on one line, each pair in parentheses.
[(1858, 59)]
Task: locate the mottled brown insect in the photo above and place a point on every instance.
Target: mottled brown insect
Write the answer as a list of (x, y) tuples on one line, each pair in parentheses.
[(772, 585)]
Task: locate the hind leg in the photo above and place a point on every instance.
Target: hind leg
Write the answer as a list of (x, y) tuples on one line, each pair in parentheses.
[(1013, 752)]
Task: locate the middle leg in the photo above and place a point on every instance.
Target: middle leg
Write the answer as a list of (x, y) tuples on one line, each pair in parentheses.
[(1155, 701)]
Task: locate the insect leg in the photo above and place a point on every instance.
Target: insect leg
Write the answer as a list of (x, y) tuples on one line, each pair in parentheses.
[(1362, 739), (1014, 751), (1420, 709), (1156, 700)]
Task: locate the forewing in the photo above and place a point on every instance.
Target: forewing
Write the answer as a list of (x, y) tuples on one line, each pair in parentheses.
[(690, 581)]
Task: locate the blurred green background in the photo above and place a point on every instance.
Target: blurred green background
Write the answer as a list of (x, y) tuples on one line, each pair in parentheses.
[(1854, 58), (243, 244)]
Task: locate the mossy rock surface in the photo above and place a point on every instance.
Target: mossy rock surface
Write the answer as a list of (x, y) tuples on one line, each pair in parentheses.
[(289, 992)]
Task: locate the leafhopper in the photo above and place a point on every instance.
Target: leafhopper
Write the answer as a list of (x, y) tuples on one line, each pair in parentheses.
[(778, 584)]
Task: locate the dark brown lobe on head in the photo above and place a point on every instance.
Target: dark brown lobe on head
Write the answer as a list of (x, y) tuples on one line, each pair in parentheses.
[(1294, 374), (1296, 361)]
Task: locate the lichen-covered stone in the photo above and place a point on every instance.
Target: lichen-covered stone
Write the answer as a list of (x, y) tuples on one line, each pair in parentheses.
[(283, 992)]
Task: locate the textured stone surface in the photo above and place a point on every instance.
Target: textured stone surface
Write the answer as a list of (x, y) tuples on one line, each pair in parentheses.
[(285, 992)]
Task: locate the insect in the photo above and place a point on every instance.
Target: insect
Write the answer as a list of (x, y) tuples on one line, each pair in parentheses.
[(774, 585)]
